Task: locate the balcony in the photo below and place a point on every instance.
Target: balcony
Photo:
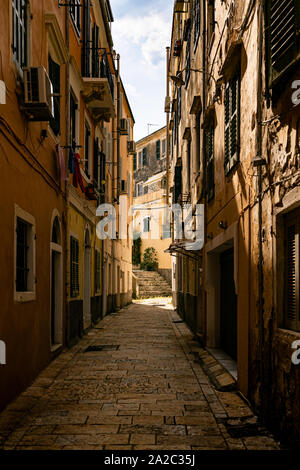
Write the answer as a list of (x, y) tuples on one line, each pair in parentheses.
[(98, 89)]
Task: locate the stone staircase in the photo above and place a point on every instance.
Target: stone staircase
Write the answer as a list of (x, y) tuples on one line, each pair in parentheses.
[(151, 284)]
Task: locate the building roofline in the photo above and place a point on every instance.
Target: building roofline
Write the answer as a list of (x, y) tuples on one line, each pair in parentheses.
[(152, 134)]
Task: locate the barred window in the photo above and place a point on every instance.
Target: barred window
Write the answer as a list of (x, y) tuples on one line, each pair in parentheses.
[(145, 156), (20, 31), (292, 271), (74, 268), (232, 122)]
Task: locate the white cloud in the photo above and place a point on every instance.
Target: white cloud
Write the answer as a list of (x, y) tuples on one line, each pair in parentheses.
[(151, 33)]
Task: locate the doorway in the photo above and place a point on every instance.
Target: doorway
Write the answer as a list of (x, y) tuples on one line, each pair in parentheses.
[(228, 311), (87, 318)]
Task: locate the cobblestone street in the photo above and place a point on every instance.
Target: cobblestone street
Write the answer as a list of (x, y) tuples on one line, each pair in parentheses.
[(142, 389)]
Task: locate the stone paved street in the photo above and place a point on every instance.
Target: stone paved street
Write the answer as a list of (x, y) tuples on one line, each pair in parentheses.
[(142, 390)]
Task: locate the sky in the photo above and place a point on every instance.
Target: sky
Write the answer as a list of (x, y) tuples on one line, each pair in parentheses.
[(141, 32)]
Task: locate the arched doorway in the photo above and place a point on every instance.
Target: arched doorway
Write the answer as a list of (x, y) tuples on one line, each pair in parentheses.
[(56, 278), (87, 319)]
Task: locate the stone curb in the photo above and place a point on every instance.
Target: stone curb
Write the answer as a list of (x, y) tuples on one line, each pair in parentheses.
[(219, 376)]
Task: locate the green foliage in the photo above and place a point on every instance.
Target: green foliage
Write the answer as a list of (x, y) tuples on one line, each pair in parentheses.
[(136, 251), (150, 260)]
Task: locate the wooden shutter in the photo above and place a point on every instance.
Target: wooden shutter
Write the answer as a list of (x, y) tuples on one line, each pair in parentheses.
[(283, 26), (134, 162), (158, 150), (210, 162), (292, 272), (232, 123)]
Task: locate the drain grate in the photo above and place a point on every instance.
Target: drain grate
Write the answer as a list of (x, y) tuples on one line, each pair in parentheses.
[(102, 347)]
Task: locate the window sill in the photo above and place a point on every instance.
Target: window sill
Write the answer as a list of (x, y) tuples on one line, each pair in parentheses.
[(23, 297)]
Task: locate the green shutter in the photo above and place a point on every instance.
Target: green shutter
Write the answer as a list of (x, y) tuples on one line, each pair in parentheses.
[(158, 150), (210, 163), (284, 41), (232, 123)]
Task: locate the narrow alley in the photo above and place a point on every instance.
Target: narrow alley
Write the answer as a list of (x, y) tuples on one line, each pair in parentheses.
[(132, 383)]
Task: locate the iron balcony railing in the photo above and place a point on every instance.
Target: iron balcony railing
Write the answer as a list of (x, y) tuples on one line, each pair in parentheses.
[(95, 64)]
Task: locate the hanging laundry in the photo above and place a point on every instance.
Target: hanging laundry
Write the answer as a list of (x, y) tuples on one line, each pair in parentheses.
[(77, 178), (62, 163)]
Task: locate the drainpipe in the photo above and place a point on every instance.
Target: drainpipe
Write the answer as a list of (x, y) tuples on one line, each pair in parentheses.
[(68, 142), (260, 183), (168, 135), (118, 126), (204, 81)]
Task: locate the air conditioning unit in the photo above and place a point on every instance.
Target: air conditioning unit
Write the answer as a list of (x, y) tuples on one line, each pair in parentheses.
[(123, 127), (38, 94), (167, 104), (131, 146)]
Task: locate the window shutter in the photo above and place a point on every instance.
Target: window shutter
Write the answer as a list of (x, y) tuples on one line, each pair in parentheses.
[(210, 162), (178, 183), (232, 123), (74, 271), (292, 273), (134, 162), (158, 150), (284, 35)]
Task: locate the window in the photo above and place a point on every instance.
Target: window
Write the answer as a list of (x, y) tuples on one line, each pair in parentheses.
[(87, 148), (196, 18), (158, 150), (178, 108), (97, 271), (140, 189), (95, 52), (292, 271), (73, 117), (283, 24), (188, 59), (54, 75), (74, 269), (20, 31), (87, 48), (140, 160), (145, 156), (166, 231), (75, 15), (232, 123), (134, 162), (211, 20), (209, 149), (177, 183), (146, 225), (163, 147), (24, 256)]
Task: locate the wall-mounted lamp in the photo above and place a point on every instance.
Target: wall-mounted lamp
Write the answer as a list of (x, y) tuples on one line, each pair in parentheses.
[(259, 161), (179, 81), (223, 225)]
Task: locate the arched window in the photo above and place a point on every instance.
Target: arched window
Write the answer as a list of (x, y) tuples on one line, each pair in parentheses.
[(56, 238)]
